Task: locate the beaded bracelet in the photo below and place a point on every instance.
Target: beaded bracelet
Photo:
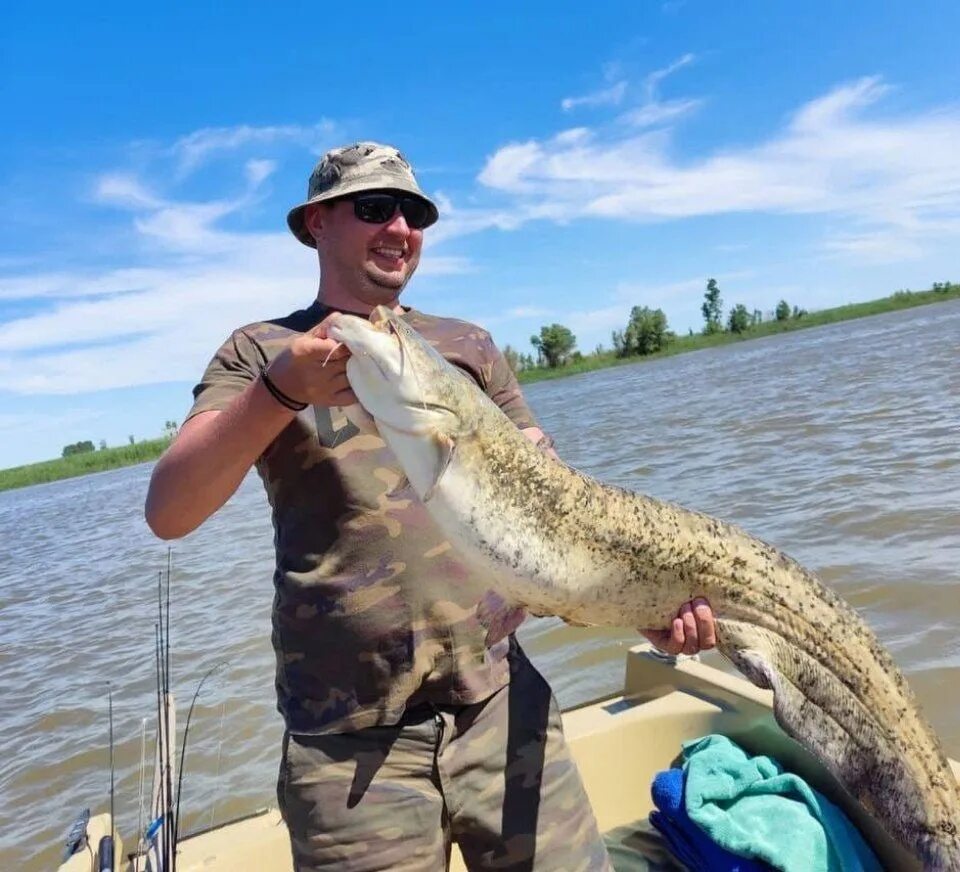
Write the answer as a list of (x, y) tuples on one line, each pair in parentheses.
[(278, 395)]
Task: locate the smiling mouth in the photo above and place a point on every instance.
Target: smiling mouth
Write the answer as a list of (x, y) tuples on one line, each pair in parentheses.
[(388, 252)]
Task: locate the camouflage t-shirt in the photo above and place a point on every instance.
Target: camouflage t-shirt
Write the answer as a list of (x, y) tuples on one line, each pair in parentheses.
[(357, 635)]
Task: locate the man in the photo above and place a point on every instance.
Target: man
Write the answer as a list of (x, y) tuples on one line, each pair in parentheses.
[(410, 721)]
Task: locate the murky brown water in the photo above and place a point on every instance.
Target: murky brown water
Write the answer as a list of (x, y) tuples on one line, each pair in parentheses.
[(841, 445)]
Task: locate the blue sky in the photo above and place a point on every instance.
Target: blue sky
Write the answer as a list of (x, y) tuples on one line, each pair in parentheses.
[(586, 158)]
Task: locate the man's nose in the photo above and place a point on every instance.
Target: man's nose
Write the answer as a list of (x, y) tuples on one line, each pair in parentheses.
[(398, 224)]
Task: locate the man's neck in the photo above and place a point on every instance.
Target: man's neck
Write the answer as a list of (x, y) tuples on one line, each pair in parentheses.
[(346, 302)]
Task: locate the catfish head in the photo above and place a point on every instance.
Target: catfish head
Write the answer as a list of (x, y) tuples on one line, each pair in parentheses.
[(421, 403)]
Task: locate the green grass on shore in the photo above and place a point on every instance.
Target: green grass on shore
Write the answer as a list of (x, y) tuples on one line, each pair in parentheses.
[(697, 342), (82, 464), (151, 449)]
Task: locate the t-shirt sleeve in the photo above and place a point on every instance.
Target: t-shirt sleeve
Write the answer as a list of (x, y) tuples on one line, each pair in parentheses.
[(236, 364), (500, 384)]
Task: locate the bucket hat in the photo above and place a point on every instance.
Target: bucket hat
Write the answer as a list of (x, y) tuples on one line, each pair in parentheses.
[(363, 166)]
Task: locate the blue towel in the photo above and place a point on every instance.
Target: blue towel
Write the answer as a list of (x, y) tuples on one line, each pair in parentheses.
[(751, 807), (687, 842)]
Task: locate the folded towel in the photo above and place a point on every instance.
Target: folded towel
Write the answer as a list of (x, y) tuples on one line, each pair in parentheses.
[(751, 807), (688, 843)]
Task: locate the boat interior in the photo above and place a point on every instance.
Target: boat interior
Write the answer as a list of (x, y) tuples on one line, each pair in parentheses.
[(620, 743)]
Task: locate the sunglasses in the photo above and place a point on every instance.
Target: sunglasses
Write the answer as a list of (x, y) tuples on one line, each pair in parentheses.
[(380, 208)]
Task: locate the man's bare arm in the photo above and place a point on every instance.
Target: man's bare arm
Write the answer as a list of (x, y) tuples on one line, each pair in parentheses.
[(214, 450), (212, 453)]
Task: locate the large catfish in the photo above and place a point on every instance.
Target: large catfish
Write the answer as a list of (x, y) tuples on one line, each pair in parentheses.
[(560, 543)]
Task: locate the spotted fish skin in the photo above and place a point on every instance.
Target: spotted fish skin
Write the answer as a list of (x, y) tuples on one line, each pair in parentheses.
[(561, 543)]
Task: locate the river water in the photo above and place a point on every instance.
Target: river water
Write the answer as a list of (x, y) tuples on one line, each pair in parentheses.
[(840, 444)]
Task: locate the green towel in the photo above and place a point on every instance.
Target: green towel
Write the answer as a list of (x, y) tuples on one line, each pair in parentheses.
[(751, 807)]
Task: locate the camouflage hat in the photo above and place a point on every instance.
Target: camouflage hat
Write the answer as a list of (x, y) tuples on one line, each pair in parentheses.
[(363, 166)]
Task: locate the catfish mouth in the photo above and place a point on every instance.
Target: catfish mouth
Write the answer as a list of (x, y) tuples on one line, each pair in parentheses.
[(393, 380), (352, 337)]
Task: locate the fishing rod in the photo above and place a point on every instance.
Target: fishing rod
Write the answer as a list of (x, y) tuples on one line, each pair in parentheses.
[(168, 776), (156, 827), (183, 753), (105, 848), (143, 755)]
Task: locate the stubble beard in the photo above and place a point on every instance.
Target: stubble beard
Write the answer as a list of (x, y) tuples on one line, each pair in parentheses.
[(378, 281)]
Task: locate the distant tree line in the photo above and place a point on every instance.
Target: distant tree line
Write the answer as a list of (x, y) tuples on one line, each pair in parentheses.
[(170, 430), (77, 448), (739, 319), (647, 331)]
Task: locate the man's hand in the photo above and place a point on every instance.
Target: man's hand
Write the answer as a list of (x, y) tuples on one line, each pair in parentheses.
[(313, 370), (541, 440), (693, 630)]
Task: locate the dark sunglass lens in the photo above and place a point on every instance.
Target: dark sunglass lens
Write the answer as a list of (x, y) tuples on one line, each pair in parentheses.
[(375, 208), (416, 212)]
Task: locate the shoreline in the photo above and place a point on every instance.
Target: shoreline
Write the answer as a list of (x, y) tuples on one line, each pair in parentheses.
[(58, 469), (698, 341), (87, 463)]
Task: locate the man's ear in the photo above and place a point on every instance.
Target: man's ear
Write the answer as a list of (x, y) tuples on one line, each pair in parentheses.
[(313, 220)]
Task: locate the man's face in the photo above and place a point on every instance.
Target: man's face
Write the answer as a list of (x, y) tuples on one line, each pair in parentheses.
[(370, 262)]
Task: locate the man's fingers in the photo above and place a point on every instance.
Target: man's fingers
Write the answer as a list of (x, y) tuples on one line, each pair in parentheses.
[(706, 629), (320, 330), (345, 397), (662, 640), (327, 349), (689, 630)]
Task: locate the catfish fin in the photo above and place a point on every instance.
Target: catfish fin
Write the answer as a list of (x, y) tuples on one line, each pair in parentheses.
[(446, 447), (426, 458), (402, 485)]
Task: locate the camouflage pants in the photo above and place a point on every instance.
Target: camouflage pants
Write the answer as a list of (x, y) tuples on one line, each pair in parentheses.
[(495, 777)]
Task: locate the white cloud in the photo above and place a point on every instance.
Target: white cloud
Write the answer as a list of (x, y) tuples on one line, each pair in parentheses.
[(652, 82), (44, 421), (880, 247), (527, 312), (258, 171), (445, 265), (833, 108), (125, 191), (653, 111), (883, 174), (181, 226), (508, 316), (506, 168), (607, 97), (76, 284), (464, 221), (603, 320), (187, 227), (198, 147), (652, 114)]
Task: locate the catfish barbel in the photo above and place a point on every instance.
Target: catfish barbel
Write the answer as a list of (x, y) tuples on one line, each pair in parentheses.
[(558, 542)]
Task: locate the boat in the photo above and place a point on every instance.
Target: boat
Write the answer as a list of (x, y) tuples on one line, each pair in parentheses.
[(620, 742)]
